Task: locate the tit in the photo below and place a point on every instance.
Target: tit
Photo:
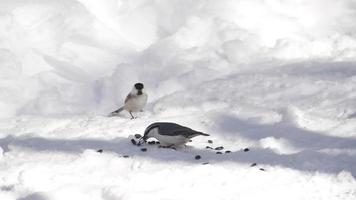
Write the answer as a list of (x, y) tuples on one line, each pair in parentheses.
[(170, 134), (135, 101)]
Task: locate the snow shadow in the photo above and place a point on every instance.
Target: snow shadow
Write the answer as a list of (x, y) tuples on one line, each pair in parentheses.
[(322, 69), (34, 196), (310, 145), (298, 137), (306, 160), (119, 145)]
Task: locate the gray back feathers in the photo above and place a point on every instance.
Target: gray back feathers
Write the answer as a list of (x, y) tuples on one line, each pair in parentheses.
[(173, 129)]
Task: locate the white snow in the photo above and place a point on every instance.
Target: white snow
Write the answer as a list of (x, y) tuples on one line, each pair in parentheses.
[(276, 77)]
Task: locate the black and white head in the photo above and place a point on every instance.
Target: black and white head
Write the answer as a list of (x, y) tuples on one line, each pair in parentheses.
[(138, 87), (149, 132)]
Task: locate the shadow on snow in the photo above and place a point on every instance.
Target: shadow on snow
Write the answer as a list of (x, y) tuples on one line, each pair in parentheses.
[(309, 159)]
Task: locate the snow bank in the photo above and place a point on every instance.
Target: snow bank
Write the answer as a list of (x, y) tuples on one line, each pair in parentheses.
[(65, 57), (278, 77), (57, 158)]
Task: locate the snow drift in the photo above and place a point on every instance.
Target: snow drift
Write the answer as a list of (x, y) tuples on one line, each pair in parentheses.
[(273, 81), (65, 57)]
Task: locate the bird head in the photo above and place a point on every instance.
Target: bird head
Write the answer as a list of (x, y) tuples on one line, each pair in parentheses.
[(138, 87), (149, 132)]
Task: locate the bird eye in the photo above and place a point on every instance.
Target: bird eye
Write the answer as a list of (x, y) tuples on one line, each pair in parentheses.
[(139, 86)]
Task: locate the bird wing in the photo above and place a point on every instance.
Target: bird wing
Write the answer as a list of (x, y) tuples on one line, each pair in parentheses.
[(183, 131), (128, 97), (167, 128), (186, 133), (173, 129)]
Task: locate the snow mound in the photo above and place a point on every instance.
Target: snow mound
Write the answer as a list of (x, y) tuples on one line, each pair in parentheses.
[(273, 82), (96, 49)]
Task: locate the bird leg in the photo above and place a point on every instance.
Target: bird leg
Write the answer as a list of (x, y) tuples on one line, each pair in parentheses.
[(132, 117)]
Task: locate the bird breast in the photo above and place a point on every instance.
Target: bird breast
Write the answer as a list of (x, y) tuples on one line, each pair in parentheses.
[(172, 140), (136, 103), (169, 140)]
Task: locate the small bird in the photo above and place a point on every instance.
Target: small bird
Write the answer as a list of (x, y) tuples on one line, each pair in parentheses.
[(170, 134), (135, 101)]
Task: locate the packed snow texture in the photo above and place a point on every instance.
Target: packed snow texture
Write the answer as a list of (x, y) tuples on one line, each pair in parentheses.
[(275, 76), (74, 57)]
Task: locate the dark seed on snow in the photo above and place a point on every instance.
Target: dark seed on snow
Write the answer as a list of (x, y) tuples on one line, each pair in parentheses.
[(125, 156), (246, 149), (219, 148), (100, 151), (138, 136), (207, 147), (262, 169), (197, 157), (205, 163), (227, 151), (133, 142), (218, 152), (253, 164), (210, 141), (143, 149)]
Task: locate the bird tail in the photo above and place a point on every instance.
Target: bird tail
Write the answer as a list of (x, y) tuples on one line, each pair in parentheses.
[(203, 134), (113, 113)]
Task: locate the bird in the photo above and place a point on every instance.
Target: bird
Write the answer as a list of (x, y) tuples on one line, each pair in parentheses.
[(135, 101), (170, 134)]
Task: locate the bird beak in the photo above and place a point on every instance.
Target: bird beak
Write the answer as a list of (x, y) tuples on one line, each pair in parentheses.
[(142, 140)]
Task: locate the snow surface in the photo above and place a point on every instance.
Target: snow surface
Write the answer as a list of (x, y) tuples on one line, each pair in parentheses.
[(276, 77)]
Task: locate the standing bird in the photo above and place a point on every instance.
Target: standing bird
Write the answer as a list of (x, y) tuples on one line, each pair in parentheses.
[(170, 134), (135, 101)]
